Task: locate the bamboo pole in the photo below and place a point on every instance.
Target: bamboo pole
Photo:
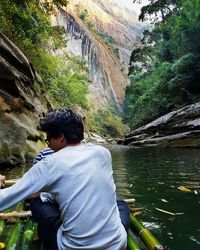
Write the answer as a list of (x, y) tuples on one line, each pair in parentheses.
[(28, 234), (15, 214), (165, 211), (129, 201), (137, 209), (14, 236), (145, 235), (131, 243), (9, 183), (15, 231), (3, 224)]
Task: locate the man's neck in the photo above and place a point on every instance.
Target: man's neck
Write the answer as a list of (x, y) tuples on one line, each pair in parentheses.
[(72, 144)]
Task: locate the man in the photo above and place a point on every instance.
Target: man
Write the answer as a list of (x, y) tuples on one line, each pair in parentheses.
[(79, 177)]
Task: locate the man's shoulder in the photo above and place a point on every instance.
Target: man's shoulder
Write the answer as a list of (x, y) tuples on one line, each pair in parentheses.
[(101, 149), (42, 154), (96, 146)]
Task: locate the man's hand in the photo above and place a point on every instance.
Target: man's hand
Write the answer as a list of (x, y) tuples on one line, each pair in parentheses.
[(2, 180)]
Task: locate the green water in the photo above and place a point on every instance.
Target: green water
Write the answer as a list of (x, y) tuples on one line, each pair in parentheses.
[(150, 175)]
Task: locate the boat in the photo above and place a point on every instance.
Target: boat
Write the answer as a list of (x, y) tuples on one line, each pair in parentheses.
[(19, 232)]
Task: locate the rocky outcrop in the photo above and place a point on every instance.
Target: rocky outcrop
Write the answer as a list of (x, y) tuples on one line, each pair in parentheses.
[(20, 106), (180, 128)]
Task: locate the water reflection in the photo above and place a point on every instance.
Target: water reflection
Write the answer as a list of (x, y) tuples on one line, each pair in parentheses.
[(153, 176)]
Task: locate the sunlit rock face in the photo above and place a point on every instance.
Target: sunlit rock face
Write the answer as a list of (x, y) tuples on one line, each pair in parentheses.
[(108, 64), (20, 106), (107, 81), (180, 128)]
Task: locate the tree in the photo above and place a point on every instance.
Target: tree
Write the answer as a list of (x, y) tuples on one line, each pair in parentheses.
[(173, 78), (158, 9)]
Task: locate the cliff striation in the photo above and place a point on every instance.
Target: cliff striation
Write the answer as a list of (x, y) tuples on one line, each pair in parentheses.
[(108, 62), (107, 81), (20, 106)]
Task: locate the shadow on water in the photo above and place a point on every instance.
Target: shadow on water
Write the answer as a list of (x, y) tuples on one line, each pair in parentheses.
[(151, 176)]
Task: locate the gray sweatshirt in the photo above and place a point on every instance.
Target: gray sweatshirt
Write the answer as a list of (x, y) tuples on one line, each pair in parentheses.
[(80, 178)]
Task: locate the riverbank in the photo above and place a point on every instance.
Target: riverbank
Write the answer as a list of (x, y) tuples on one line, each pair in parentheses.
[(179, 128)]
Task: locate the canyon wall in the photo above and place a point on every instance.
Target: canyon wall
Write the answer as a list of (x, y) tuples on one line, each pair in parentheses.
[(20, 106)]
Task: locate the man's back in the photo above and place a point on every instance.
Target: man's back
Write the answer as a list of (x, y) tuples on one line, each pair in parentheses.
[(81, 181)]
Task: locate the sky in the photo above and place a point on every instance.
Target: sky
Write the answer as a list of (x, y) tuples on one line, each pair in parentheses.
[(129, 4)]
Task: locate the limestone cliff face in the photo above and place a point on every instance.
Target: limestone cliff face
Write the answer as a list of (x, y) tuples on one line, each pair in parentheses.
[(115, 20), (20, 106), (108, 70)]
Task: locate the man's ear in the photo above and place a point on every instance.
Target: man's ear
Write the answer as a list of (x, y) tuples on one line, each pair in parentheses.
[(62, 137)]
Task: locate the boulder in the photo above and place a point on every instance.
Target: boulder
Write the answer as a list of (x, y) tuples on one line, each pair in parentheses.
[(93, 137), (179, 128)]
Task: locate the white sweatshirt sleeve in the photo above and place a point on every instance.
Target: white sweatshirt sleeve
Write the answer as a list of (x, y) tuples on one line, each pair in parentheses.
[(33, 181)]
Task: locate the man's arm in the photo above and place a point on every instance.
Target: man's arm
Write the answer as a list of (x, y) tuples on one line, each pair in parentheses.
[(35, 180), (45, 197)]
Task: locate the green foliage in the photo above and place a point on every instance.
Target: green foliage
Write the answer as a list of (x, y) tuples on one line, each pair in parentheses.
[(145, 100), (69, 84), (107, 38), (186, 32), (140, 60), (83, 14), (58, 39), (187, 74), (106, 123), (49, 5), (20, 24), (170, 86), (158, 9), (165, 69), (27, 24)]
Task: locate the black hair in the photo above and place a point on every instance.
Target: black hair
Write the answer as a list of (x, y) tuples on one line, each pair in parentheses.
[(64, 121)]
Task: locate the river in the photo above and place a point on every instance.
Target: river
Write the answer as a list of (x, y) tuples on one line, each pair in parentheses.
[(152, 176)]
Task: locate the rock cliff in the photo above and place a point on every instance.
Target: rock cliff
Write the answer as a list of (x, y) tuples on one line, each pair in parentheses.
[(107, 81), (20, 106), (180, 128), (108, 62)]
